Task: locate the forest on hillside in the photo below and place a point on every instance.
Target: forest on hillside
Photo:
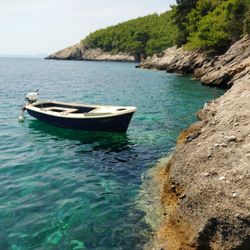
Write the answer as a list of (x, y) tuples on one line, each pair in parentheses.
[(140, 37), (208, 25), (211, 25)]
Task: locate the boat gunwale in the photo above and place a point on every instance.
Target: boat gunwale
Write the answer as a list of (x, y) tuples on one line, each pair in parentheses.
[(32, 107)]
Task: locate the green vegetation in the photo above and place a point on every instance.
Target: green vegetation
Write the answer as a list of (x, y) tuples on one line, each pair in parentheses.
[(140, 37), (210, 25), (181, 15)]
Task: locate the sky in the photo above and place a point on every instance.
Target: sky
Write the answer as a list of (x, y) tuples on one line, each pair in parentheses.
[(33, 27)]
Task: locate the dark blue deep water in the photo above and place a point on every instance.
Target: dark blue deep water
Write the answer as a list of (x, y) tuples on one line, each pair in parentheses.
[(64, 189)]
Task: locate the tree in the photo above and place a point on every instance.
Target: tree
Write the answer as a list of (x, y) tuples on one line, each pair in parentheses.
[(133, 36), (247, 23), (215, 24), (182, 10)]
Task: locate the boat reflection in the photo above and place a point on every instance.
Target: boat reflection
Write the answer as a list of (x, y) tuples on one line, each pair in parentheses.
[(115, 142)]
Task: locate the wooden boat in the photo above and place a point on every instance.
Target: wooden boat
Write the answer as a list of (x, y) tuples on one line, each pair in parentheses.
[(80, 116)]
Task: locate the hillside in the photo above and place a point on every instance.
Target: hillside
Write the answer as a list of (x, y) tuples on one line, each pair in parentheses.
[(140, 37), (207, 25), (80, 52), (211, 26), (127, 41)]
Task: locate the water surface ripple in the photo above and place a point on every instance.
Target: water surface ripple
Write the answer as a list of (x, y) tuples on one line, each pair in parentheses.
[(64, 189)]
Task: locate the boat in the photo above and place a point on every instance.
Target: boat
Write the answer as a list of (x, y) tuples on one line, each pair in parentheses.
[(79, 116)]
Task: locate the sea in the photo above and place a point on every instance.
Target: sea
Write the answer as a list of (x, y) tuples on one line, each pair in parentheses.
[(67, 189)]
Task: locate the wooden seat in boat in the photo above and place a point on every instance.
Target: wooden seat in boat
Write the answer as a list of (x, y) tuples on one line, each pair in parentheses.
[(60, 109)]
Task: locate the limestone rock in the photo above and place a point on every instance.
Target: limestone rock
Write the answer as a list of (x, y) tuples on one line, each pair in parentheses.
[(215, 213), (219, 71), (80, 52)]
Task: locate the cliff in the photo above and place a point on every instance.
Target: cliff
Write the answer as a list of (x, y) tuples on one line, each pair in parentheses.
[(205, 182), (79, 52), (219, 71)]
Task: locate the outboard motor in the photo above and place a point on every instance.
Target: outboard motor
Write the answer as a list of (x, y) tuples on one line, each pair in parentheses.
[(32, 97)]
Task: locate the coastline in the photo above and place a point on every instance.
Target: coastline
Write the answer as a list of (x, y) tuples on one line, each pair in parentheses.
[(219, 71), (81, 53), (204, 182), (205, 185)]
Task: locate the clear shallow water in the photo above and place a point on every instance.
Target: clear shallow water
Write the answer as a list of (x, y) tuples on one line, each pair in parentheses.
[(64, 189)]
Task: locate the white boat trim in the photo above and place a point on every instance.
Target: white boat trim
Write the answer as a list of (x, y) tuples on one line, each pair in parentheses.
[(99, 111)]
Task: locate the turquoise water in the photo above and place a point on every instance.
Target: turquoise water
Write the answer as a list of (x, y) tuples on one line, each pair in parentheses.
[(64, 189)]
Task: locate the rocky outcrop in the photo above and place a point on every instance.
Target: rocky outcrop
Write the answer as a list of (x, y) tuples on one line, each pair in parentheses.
[(71, 53), (80, 52), (219, 71), (206, 185), (175, 60)]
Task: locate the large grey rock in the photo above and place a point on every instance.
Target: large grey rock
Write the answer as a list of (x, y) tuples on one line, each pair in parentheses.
[(209, 207), (218, 71), (70, 53), (80, 52), (175, 60)]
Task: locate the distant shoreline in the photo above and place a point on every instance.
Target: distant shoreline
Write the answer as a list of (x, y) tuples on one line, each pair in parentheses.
[(79, 53), (23, 56)]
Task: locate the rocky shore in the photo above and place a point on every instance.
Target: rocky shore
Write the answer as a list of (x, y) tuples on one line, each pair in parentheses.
[(205, 191), (79, 52), (221, 71), (205, 182)]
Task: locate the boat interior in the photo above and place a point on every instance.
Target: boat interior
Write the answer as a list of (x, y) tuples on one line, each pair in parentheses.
[(77, 109)]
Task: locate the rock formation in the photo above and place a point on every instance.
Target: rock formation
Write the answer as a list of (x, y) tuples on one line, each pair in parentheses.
[(80, 52), (207, 180), (206, 184), (219, 71)]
